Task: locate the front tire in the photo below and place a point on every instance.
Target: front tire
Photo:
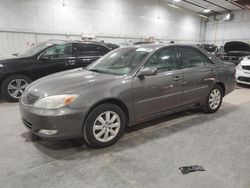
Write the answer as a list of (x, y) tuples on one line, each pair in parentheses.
[(104, 125), (13, 87), (214, 100)]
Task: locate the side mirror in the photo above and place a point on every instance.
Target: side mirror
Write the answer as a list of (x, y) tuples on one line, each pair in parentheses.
[(148, 71), (44, 57)]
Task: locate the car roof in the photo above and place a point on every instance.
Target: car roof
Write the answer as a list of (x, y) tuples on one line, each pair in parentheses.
[(160, 45), (55, 41)]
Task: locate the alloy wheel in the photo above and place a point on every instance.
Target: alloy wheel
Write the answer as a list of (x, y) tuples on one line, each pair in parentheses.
[(214, 99), (106, 126), (16, 87)]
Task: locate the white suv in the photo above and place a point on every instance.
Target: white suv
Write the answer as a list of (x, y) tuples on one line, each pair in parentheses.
[(243, 71)]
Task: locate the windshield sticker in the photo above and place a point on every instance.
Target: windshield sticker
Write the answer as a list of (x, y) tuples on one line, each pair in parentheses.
[(144, 50)]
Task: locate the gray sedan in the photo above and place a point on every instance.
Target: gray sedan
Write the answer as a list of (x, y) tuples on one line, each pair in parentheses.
[(125, 87)]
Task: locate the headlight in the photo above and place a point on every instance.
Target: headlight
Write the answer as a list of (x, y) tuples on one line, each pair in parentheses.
[(1, 65), (55, 101)]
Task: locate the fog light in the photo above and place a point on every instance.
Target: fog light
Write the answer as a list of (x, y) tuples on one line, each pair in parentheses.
[(48, 132)]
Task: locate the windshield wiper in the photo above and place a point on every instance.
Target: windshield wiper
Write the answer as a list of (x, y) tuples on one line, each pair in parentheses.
[(101, 71), (96, 70)]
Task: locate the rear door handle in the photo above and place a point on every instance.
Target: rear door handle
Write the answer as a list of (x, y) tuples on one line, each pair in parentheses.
[(71, 62), (85, 60), (177, 78)]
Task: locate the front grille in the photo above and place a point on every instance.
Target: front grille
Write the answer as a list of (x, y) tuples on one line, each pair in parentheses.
[(30, 98), (246, 67), (27, 124), (244, 79)]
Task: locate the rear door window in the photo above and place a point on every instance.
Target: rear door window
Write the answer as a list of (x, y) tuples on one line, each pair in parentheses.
[(90, 50), (190, 57)]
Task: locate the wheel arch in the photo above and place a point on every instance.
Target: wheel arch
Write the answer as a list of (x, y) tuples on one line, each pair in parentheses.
[(17, 73), (222, 85), (115, 101)]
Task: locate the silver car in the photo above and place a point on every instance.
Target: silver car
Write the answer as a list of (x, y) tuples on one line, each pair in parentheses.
[(125, 87)]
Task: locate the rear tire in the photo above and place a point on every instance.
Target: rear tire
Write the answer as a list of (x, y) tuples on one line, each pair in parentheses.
[(214, 100), (13, 86), (104, 125)]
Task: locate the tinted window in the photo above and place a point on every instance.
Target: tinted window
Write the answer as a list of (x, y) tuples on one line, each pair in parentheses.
[(191, 57), (90, 50), (164, 60), (59, 51)]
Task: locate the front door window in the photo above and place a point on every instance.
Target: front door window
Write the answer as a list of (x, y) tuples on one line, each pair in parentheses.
[(164, 60), (59, 51)]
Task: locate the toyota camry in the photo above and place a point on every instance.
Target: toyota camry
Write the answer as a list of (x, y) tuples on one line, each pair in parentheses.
[(125, 87)]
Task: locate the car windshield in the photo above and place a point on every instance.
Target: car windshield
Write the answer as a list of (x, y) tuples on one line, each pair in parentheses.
[(35, 49), (121, 61)]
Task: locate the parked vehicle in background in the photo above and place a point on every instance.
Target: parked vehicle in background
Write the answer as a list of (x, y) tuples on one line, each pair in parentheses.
[(211, 48), (243, 71), (143, 42), (220, 52), (235, 51), (125, 87), (131, 43), (111, 46), (45, 58), (147, 42)]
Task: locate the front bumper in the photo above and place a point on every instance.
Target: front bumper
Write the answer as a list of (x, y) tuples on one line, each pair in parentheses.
[(67, 122), (243, 76)]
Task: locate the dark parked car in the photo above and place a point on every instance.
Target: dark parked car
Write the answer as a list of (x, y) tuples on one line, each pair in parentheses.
[(125, 87), (235, 51), (211, 48), (148, 42), (112, 46), (45, 58), (143, 42)]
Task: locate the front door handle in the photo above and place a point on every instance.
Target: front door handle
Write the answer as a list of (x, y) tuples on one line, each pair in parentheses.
[(177, 78), (211, 71)]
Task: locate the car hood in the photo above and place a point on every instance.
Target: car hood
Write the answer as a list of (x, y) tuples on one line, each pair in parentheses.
[(7, 57), (73, 81), (236, 46), (10, 59)]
